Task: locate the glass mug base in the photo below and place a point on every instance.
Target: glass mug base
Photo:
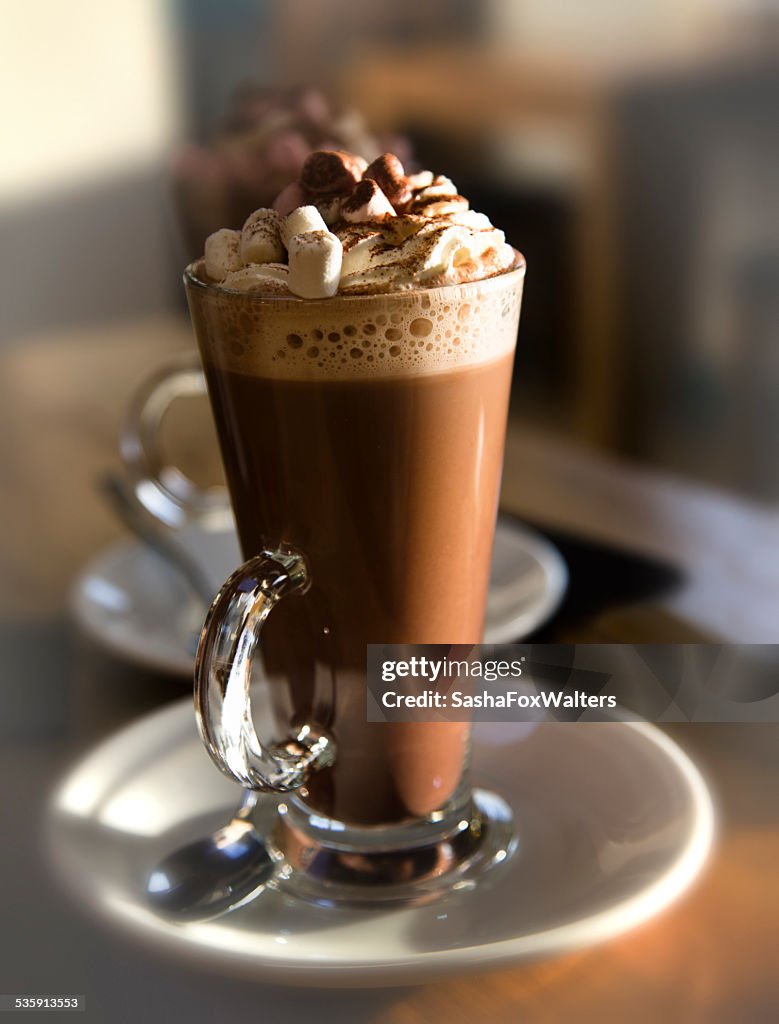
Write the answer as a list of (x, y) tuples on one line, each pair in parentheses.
[(329, 863)]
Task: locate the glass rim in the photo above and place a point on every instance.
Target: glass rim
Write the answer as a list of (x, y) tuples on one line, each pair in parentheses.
[(515, 273)]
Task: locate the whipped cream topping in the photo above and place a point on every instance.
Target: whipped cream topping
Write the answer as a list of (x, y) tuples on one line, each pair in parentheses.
[(379, 230)]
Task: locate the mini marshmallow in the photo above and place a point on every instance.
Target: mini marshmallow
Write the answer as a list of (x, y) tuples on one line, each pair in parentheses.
[(260, 238), (223, 253), (314, 264), (289, 199), (301, 221), (270, 278), (366, 203)]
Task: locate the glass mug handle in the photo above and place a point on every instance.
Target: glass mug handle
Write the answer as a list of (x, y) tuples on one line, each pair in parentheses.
[(223, 666), (164, 490)]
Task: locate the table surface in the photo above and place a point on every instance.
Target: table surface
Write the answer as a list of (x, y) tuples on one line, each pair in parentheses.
[(709, 959)]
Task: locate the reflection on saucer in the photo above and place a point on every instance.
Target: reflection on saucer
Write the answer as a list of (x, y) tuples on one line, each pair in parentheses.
[(613, 821), (131, 602)]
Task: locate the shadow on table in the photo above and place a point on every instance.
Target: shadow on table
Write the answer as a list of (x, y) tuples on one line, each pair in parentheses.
[(602, 577)]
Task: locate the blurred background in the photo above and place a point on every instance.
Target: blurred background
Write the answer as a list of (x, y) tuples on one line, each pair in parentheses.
[(629, 149)]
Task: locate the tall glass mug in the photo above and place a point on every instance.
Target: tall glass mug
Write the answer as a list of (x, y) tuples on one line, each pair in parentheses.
[(362, 440)]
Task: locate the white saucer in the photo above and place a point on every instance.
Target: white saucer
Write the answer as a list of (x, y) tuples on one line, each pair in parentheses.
[(614, 822), (131, 602)]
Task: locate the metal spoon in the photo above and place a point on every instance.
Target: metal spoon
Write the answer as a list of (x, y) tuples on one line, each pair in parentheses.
[(215, 874), (232, 866)]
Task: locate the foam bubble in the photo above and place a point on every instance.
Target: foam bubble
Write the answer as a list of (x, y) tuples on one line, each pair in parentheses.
[(420, 327)]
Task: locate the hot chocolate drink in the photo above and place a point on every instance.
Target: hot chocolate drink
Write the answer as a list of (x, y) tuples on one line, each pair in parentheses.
[(372, 441), (361, 410)]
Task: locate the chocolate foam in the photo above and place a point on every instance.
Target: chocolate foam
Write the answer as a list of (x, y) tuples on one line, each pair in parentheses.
[(413, 332)]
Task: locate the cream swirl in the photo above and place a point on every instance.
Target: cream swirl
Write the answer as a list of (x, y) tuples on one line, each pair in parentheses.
[(433, 239), (418, 251)]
